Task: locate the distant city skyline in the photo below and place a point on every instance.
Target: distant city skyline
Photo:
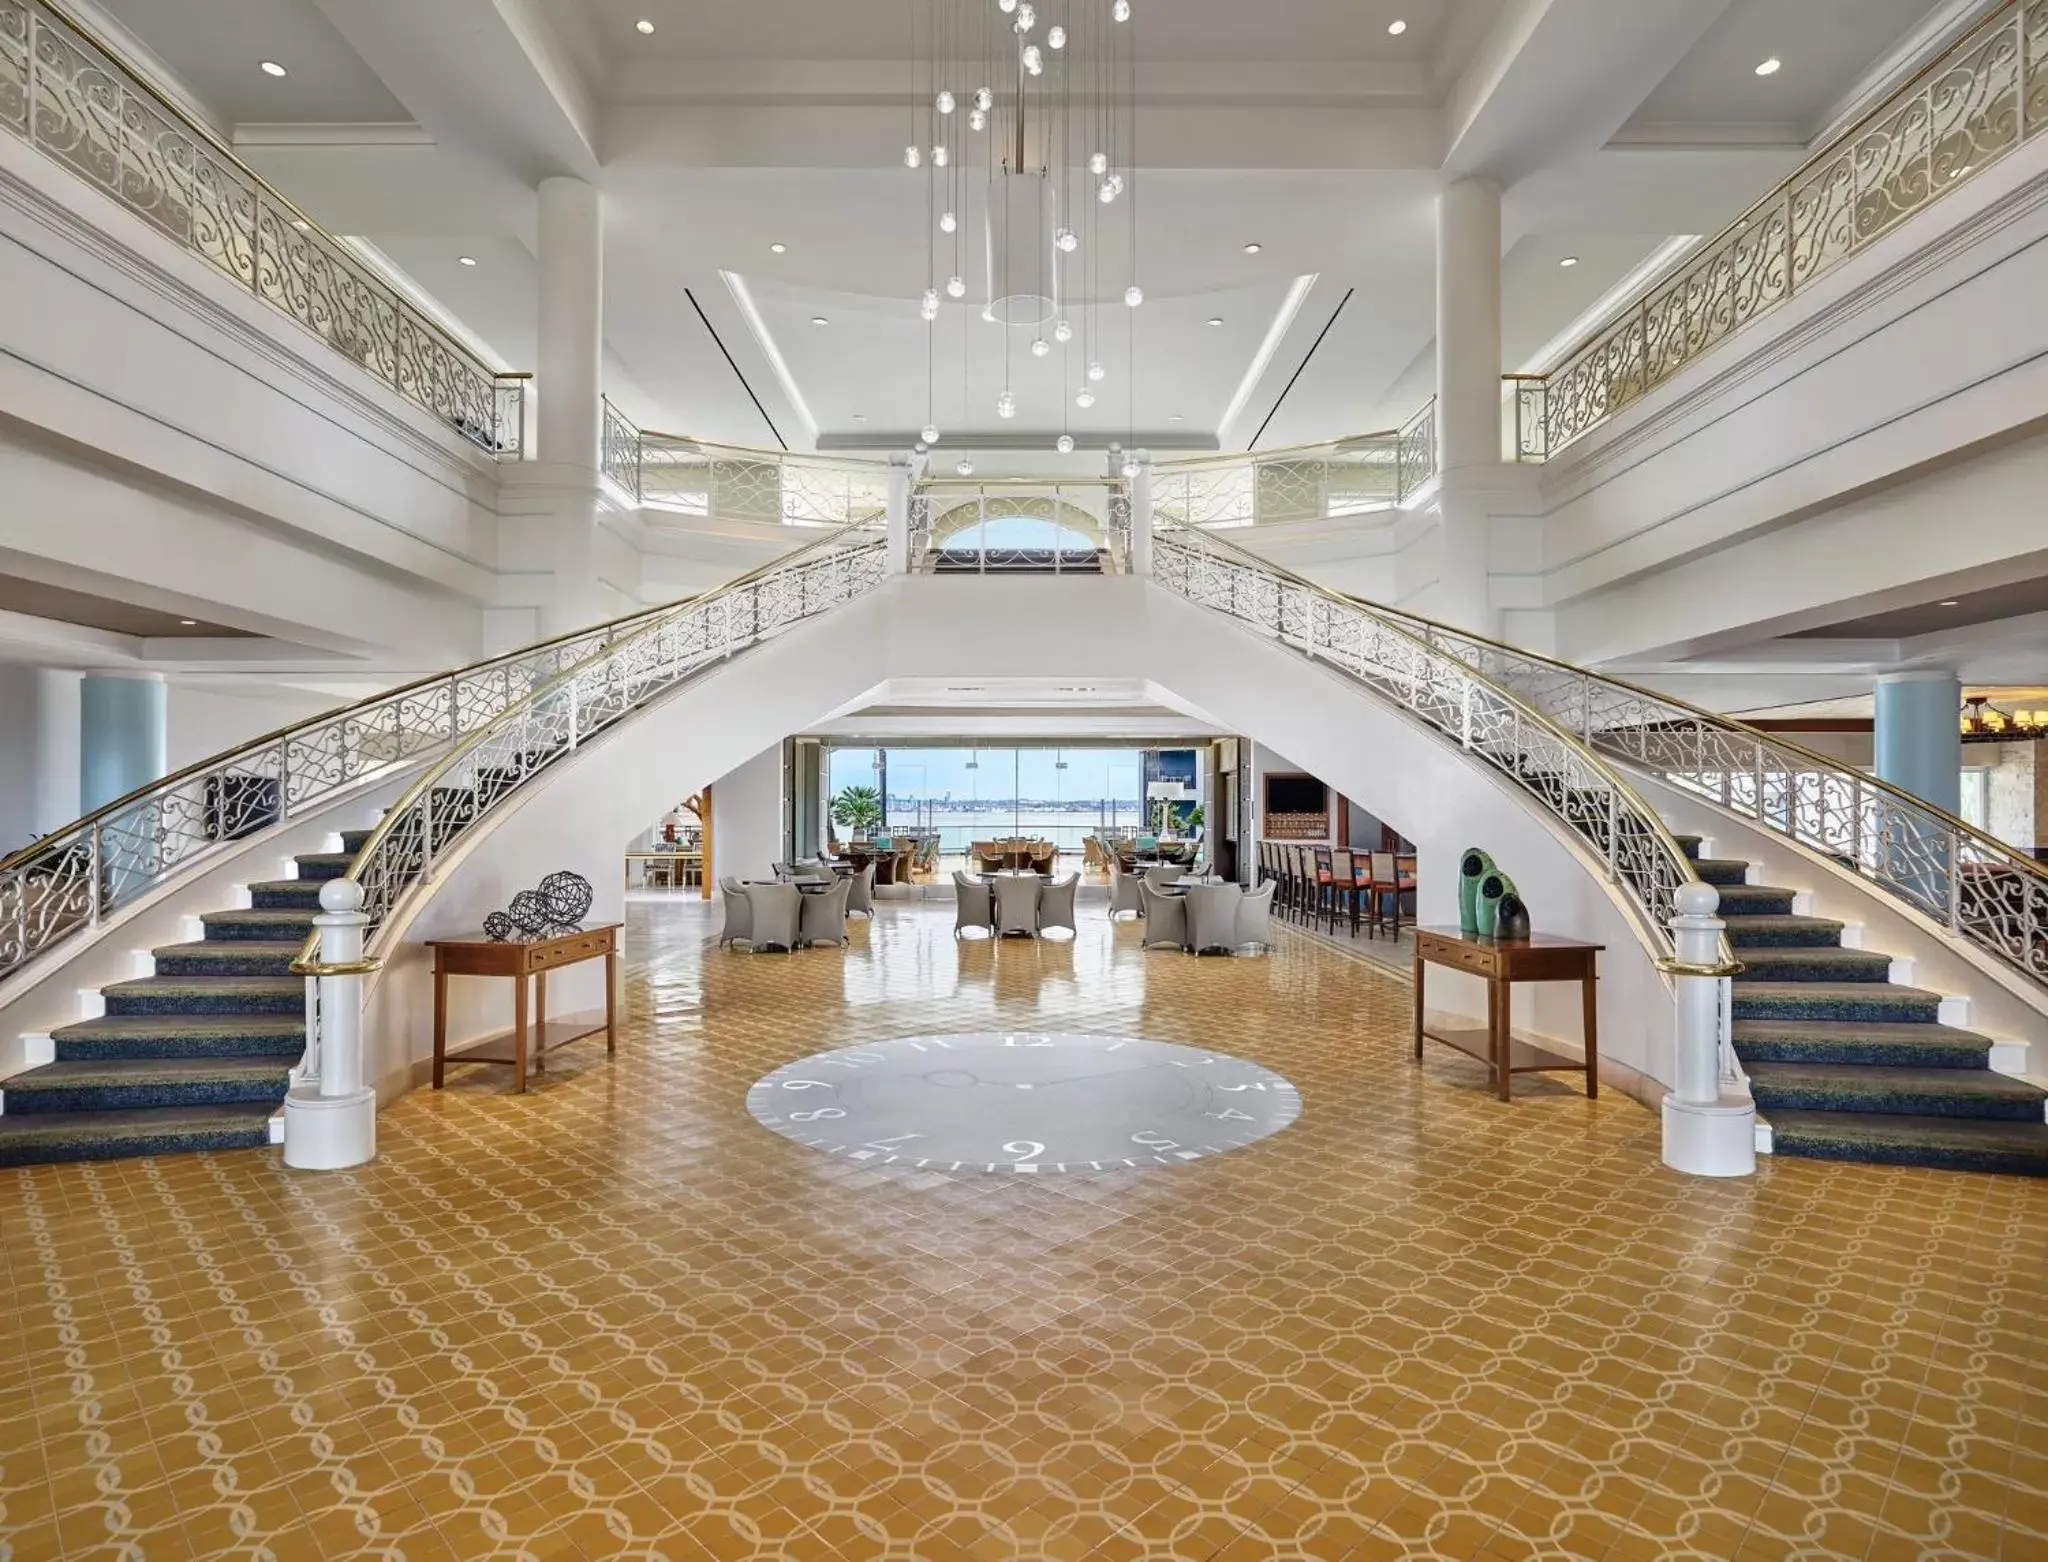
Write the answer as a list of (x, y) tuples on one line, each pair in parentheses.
[(1001, 775)]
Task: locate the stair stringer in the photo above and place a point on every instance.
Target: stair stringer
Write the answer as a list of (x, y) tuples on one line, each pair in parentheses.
[(49, 991), (581, 810), (2003, 1003)]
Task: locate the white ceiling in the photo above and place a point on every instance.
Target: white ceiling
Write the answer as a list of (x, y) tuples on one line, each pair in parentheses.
[(1300, 125)]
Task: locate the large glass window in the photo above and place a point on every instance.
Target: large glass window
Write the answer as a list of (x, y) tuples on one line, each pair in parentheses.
[(970, 794)]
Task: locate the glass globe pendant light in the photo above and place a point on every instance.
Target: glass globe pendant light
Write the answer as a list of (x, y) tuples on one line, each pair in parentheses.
[(1095, 372), (928, 306), (1064, 444), (1057, 37), (1134, 295), (1130, 467), (977, 119), (1040, 347), (1034, 62), (1006, 6), (964, 467), (984, 99), (1063, 330), (940, 157), (912, 157), (956, 287), (1121, 11), (930, 434), (1105, 192), (1065, 240), (1084, 398), (948, 222), (1098, 163), (1006, 405), (944, 100), (1027, 17)]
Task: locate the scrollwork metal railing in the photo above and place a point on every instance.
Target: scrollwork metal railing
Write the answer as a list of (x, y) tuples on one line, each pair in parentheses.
[(1980, 890), (1976, 101), (554, 718), (1352, 477), (66, 93), (735, 483), (1485, 719)]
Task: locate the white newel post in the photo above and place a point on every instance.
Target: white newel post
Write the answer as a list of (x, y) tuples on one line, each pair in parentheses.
[(331, 1122), (897, 553), (1141, 515), (1705, 1133)]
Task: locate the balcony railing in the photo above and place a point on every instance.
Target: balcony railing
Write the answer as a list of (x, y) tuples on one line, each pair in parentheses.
[(1354, 477), (735, 483), (68, 95), (1979, 99)]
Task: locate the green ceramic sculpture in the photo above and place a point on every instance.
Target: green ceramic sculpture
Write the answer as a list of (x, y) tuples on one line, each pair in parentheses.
[(1472, 867), (1493, 889)]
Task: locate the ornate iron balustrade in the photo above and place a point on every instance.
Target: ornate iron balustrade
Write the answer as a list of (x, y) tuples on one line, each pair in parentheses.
[(1352, 477), (65, 884), (1976, 101), (1982, 891), (64, 92), (552, 718), (1387, 654), (733, 482)]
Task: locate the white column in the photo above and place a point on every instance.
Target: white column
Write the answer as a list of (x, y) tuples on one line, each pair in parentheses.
[(58, 735), (571, 366), (1919, 736), (1468, 367), (897, 551), (1141, 514), (122, 735), (1705, 1133)]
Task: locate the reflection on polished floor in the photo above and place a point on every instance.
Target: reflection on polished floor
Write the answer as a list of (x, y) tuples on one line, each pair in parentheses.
[(616, 1317)]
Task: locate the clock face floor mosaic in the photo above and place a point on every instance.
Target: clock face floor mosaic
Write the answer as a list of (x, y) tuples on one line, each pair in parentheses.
[(615, 1318), (1023, 1102)]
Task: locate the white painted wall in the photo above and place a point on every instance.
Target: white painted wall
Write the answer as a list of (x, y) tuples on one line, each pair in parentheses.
[(39, 752), (746, 817), (203, 720)]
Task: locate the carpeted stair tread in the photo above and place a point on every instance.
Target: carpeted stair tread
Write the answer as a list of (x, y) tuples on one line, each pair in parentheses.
[(1958, 1144), (1779, 964), (317, 867), (1877, 1043), (228, 957), (352, 840), (122, 1084), (274, 925), (1755, 900), (207, 995), (1689, 844), (286, 894), (1928, 1092), (1773, 1000), (1721, 870), (42, 1137), (183, 1036), (1782, 932)]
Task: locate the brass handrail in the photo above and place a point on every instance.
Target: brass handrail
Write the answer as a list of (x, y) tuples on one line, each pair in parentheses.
[(441, 768)]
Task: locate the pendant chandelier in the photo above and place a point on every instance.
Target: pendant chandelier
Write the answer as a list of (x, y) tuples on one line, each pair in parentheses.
[(1983, 723), (1021, 127)]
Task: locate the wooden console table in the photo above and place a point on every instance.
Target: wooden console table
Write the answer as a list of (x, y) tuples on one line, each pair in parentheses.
[(489, 957), (1503, 962)]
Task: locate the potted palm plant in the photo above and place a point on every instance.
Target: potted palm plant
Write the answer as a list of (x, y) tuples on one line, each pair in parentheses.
[(858, 809)]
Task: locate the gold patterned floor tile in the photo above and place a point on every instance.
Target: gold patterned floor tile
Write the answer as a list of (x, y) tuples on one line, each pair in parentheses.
[(617, 1318)]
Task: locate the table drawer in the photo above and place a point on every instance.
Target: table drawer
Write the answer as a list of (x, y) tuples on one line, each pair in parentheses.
[(1460, 957), (566, 951)]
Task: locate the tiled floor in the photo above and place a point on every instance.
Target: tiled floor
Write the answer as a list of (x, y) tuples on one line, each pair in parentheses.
[(616, 1317)]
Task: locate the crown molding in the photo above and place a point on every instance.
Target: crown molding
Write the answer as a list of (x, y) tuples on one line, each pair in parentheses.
[(256, 134)]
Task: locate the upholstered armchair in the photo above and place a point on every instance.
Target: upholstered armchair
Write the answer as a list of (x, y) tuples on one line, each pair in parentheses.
[(774, 911), (822, 917), (1166, 917), (739, 914), (1123, 892), (1212, 916), (1016, 906), (1056, 903), (1255, 917), (860, 895), (1165, 873), (976, 904)]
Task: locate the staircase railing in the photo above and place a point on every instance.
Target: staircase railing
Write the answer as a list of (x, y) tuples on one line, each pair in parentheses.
[(1362, 475), (735, 483), (1494, 724), (1982, 891), (68, 94), (1977, 100), (552, 719), (65, 884)]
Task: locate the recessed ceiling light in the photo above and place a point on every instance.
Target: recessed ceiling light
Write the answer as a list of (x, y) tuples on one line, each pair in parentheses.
[(1951, 602), (860, 417), (1397, 28), (1215, 319), (778, 249), (1770, 67), (272, 68), (1569, 261), (189, 623), (1176, 418), (1253, 249), (465, 260), (819, 320), (643, 25)]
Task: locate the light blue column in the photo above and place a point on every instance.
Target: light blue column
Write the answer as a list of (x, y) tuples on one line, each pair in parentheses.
[(121, 743), (1919, 736)]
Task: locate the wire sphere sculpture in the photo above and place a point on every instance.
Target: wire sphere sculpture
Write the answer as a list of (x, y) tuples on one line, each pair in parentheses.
[(557, 907)]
